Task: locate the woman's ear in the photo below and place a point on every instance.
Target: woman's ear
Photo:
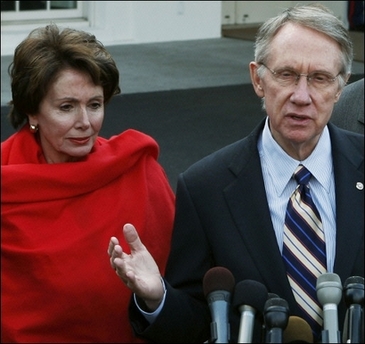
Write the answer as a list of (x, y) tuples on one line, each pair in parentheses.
[(32, 120), (33, 123)]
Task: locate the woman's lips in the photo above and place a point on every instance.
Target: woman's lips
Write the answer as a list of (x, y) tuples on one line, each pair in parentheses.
[(80, 140)]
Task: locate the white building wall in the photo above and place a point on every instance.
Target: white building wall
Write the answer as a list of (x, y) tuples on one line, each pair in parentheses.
[(133, 22), (158, 21), (253, 12), (129, 22)]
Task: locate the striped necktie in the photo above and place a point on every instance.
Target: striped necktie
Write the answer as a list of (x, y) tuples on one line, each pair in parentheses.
[(304, 250)]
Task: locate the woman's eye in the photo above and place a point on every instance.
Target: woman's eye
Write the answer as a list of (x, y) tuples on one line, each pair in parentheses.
[(95, 105), (66, 107)]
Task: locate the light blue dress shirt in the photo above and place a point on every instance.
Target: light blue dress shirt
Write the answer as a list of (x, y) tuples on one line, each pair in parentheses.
[(278, 168)]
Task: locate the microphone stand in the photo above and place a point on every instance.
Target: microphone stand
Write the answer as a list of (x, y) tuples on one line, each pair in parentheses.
[(325, 337)]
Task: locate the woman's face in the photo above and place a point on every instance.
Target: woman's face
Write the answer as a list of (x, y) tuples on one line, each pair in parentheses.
[(70, 117)]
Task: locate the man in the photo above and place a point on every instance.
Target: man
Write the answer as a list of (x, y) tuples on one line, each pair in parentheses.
[(348, 113), (231, 206)]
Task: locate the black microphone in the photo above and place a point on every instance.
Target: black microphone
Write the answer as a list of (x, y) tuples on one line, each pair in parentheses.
[(353, 294), (276, 316), (218, 284), (249, 299), (297, 331), (329, 294), (271, 295), (263, 328)]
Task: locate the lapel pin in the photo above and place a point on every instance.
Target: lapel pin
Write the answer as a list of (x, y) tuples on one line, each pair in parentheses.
[(359, 186)]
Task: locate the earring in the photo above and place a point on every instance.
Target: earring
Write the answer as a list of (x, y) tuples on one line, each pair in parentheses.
[(33, 128)]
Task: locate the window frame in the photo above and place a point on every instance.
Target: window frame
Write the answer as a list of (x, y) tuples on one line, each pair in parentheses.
[(40, 15)]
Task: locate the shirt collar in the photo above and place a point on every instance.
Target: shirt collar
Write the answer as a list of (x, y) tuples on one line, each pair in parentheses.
[(281, 166)]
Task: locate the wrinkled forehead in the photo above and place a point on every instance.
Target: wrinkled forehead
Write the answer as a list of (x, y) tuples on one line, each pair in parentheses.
[(300, 47)]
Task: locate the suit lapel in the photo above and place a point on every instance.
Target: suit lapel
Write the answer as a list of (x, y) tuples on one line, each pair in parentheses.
[(348, 164), (247, 201)]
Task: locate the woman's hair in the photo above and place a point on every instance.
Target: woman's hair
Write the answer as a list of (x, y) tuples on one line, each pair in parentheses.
[(46, 52), (314, 16)]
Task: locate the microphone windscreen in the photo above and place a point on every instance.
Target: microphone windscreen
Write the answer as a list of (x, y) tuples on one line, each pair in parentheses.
[(329, 288), (354, 281), (353, 290), (276, 303), (218, 278), (297, 331), (271, 295), (250, 293)]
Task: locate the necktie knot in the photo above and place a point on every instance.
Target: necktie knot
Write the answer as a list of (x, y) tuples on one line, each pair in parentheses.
[(302, 175)]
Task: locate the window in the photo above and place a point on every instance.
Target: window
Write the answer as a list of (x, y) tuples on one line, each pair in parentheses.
[(39, 10)]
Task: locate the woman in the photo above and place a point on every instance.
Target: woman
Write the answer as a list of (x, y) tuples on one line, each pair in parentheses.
[(66, 191)]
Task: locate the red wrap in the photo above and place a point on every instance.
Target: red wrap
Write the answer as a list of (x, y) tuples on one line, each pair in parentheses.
[(56, 221)]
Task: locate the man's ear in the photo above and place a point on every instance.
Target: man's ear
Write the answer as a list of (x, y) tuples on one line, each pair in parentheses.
[(338, 94), (256, 80)]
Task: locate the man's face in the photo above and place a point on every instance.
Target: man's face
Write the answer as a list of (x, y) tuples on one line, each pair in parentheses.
[(299, 112)]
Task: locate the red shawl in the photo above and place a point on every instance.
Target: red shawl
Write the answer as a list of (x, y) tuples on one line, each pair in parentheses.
[(56, 220)]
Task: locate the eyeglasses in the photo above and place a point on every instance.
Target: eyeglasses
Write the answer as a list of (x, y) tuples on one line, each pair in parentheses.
[(289, 77)]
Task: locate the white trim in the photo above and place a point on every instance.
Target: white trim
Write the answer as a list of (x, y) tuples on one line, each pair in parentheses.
[(17, 15)]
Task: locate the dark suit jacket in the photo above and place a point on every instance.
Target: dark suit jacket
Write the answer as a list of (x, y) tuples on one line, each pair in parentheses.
[(348, 112), (223, 219)]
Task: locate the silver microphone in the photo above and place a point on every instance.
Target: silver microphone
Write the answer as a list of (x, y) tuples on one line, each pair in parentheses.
[(329, 294)]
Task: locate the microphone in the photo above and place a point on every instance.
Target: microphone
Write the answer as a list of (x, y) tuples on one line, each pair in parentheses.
[(263, 328), (276, 315), (353, 293), (249, 298), (271, 295), (329, 293), (297, 331), (218, 284)]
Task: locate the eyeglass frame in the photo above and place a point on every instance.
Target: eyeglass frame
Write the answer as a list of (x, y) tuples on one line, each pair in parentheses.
[(309, 79)]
